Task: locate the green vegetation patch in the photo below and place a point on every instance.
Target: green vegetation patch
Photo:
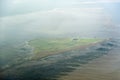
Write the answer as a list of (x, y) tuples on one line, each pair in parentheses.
[(49, 46)]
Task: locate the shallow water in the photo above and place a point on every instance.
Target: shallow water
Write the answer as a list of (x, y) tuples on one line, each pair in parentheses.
[(106, 67), (55, 66), (99, 62)]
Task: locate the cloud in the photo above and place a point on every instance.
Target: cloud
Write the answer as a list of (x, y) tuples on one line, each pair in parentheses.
[(55, 21), (109, 1), (99, 1), (18, 1)]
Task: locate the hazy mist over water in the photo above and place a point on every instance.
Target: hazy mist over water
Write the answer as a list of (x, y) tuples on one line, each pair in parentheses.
[(25, 20), (58, 21)]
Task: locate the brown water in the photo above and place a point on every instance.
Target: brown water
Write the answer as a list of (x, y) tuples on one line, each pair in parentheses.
[(99, 62), (103, 68)]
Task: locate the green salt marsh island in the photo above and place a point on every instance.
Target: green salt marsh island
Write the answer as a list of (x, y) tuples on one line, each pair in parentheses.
[(49, 46)]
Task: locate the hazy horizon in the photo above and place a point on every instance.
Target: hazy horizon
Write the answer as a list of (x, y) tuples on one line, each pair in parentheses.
[(57, 17)]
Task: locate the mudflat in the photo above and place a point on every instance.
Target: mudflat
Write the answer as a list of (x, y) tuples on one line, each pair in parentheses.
[(103, 68)]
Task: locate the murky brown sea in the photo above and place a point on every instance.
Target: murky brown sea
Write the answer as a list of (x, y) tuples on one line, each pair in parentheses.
[(103, 68)]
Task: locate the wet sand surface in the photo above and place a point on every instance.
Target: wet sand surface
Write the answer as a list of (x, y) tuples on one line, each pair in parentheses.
[(103, 68)]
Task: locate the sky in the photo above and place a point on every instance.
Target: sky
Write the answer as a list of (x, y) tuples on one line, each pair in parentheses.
[(12, 7), (57, 16)]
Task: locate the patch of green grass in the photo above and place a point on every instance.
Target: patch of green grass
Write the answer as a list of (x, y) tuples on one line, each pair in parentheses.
[(49, 46)]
